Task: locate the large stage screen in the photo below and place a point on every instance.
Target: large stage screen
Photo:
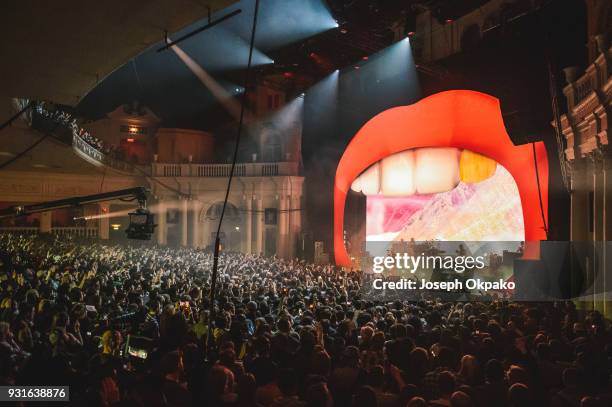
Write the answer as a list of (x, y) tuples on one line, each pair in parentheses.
[(489, 210)]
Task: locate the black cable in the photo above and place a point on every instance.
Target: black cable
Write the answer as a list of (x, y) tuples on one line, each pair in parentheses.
[(33, 145), (17, 115), (213, 281), (152, 178), (103, 177), (137, 76), (24, 152), (210, 24), (535, 163), (554, 100)]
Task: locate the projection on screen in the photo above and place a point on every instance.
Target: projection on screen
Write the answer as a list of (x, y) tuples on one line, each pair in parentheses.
[(443, 194)]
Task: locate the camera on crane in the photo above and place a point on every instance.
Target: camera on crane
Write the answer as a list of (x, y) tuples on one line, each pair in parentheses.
[(141, 226)]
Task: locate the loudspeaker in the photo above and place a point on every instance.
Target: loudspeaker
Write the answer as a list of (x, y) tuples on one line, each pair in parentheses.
[(521, 124)]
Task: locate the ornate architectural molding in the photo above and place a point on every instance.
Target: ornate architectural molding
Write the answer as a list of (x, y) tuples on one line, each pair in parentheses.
[(589, 98)]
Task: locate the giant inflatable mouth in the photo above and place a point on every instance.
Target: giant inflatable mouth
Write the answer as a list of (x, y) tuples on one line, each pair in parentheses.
[(432, 145)]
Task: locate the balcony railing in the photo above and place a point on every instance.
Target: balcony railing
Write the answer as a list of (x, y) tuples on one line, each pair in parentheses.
[(64, 127), (89, 152), (78, 231), (223, 170), (21, 230)]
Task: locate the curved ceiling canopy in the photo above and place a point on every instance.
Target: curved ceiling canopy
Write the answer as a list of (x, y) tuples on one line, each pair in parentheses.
[(58, 51)]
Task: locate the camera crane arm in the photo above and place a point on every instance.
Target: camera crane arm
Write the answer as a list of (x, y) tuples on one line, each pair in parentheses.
[(137, 193)]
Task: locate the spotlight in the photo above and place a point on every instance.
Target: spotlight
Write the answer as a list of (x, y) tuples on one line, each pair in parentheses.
[(336, 25), (141, 225), (237, 228)]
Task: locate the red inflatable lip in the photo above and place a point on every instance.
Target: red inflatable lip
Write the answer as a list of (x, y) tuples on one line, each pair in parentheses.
[(459, 118)]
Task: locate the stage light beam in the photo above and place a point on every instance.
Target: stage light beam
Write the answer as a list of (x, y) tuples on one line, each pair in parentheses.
[(231, 104), (282, 22)]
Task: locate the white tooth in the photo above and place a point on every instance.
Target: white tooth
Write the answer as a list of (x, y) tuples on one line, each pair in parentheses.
[(437, 170), (370, 180), (397, 177), (356, 185)]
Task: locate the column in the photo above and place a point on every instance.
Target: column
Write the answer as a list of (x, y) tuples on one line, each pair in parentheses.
[(45, 222), (607, 166), (259, 226), (579, 218), (598, 226), (607, 232), (599, 195), (283, 225), (249, 224), (104, 221), (195, 223), (184, 214), (295, 223), (579, 230), (161, 222)]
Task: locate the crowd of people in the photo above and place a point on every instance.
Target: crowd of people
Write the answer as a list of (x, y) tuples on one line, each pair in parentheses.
[(132, 326)]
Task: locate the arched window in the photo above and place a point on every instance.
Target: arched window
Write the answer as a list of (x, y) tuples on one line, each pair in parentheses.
[(214, 212)]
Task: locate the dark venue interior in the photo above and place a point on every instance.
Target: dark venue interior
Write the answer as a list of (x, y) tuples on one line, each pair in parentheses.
[(304, 203)]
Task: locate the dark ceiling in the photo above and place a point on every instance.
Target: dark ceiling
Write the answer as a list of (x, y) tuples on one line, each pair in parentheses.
[(59, 50), (161, 81), (365, 27)]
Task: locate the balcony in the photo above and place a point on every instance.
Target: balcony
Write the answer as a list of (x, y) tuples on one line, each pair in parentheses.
[(585, 88), (63, 126), (96, 157), (223, 170), (44, 122), (585, 125)]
